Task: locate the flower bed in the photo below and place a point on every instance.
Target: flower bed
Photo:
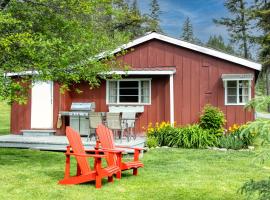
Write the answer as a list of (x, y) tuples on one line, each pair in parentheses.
[(209, 132)]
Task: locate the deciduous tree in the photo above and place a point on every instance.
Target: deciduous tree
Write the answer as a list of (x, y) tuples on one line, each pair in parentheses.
[(57, 40)]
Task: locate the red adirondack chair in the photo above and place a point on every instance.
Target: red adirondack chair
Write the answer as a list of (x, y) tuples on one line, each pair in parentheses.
[(84, 171), (105, 139)]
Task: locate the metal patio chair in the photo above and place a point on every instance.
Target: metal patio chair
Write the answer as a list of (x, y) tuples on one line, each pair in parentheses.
[(95, 119), (129, 119), (114, 122)]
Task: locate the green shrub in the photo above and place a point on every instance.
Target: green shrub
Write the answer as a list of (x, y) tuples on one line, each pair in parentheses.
[(257, 189), (193, 136), (212, 119), (163, 132), (151, 142), (230, 142), (243, 133)]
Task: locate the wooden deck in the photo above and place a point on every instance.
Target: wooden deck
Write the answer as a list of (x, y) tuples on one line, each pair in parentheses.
[(56, 143)]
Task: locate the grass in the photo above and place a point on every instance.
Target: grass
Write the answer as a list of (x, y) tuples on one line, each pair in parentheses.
[(168, 174), (4, 118)]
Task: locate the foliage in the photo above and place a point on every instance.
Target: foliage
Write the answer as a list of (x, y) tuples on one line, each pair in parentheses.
[(187, 32), (261, 14), (154, 20), (217, 42), (136, 26), (190, 136), (260, 127), (163, 132), (193, 136), (238, 24), (132, 21), (4, 118), (260, 189), (258, 103), (237, 138), (230, 142), (212, 118), (257, 189), (58, 41), (151, 142)]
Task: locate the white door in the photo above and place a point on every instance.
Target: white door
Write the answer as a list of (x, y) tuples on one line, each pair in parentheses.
[(42, 105)]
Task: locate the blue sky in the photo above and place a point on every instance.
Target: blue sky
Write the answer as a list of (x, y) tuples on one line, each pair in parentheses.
[(201, 13)]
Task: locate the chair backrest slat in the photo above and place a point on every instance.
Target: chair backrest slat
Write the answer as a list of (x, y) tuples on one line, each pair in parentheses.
[(78, 148), (105, 137)]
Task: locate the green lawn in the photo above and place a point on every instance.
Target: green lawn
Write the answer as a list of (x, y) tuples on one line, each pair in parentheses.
[(4, 118), (168, 174)]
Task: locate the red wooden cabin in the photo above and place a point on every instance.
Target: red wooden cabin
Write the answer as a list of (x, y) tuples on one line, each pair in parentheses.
[(168, 80)]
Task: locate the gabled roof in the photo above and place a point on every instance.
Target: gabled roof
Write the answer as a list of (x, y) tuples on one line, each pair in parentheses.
[(194, 47)]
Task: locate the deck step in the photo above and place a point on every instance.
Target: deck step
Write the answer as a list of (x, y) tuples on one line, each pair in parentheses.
[(38, 133)]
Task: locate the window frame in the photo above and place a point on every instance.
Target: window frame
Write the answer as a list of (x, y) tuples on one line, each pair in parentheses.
[(237, 92), (118, 89)]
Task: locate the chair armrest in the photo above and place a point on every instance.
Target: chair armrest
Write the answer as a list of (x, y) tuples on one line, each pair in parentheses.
[(106, 150), (87, 155), (126, 147)]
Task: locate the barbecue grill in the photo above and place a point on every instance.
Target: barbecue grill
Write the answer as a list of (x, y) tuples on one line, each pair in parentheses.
[(79, 116)]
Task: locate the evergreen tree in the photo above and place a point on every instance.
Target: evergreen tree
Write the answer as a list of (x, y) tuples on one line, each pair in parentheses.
[(187, 32), (262, 15), (154, 20), (130, 19), (217, 42), (238, 25)]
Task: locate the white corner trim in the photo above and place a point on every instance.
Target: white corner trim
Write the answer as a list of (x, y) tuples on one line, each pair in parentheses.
[(171, 100), (204, 50)]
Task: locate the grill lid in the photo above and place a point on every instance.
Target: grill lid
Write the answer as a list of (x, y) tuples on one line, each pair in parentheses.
[(83, 106)]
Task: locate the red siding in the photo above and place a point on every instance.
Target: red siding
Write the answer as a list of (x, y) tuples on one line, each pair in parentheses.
[(197, 82), (20, 117)]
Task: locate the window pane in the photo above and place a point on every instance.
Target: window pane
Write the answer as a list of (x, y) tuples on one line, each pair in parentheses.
[(112, 91), (243, 83), (128, 92), (232, 84), (129, 99), (129, 84), (232, 99), (145, 91), (145, 99), (245, 99), (245, 91), (232, 91)]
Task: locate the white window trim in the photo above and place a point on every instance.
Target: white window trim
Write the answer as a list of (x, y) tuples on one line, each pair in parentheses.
[(237, 88), (129, 79)]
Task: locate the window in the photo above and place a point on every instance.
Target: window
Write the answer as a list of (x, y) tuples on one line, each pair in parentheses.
[(129, 91), (237, 92)]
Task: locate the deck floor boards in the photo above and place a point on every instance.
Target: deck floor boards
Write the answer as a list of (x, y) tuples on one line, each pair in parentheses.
[(56, 143)]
